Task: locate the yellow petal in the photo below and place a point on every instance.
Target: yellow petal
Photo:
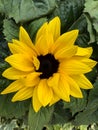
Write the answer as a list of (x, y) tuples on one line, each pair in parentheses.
[(74, 88), (44, 93), (65, 40), (76, 92), (60, 86), (82, 81), (54, 80), (20, 62), (74, 67), (63, 53), (54, 27), (36, 62), (91, 63), (64, 89), (44, 43), (54, 99), (35, 101), (84, 51), (24, 37), (32, 79), (41, 31), (23, 94), (13, 74), (13, 87), (20, 47), (14, 48)]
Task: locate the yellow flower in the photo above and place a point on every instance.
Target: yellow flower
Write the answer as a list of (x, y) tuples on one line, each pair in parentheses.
[(50, 70)]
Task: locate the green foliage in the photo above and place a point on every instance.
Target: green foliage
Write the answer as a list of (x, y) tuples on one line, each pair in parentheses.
[(10, 110), (91, 12), (11, 30), (83, 37), (69, 11), (91, 8), (90, 114), (76, 105), (90, 29), (40, 119), (60, 115), (26, 10)]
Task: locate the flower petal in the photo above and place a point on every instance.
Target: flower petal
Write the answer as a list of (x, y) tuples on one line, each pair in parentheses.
[(24, 37), (91, 63), (74, 67), (41, 31), (54, 99), (13, 87), (54, 80), (13, 74), (63, 53), (36, 62), (84, 51), (20, 62), (65, 40), (64, 89), (45, 93), (32, 79), (35, 101), (54, 27), (74, 88), (20, 47), (44, 43), (23, 94), (76, 92), (60, 86), (82, 81)]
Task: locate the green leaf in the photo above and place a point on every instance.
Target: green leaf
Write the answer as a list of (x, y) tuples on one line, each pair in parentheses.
[(38, 120), (9, 126), (68, 126), (92, 75), (90, 114), (81, 25), (95, 49), (76, 104), (1, 27), (11, 30), (26, 10), (69, 11), (91, 8), (83, 127), (93, 96), (3, 51), (10, 109), (90, 29), (60, 114)]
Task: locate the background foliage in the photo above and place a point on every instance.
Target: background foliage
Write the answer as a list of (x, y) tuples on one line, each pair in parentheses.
[(74, 14)]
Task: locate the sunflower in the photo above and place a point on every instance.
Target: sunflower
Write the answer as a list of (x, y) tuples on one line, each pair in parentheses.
[(51, 69)]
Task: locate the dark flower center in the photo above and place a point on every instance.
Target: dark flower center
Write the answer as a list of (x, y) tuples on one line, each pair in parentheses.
[(48, 65)]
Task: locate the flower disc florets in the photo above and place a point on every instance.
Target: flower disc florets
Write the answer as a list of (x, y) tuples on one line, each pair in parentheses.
[(48, 66)]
